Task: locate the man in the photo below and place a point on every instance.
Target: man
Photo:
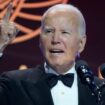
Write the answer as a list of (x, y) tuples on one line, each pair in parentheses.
[(8, 30), (62, 39)]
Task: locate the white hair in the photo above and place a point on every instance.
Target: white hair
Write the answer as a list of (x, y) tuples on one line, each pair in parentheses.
[(60, 7)]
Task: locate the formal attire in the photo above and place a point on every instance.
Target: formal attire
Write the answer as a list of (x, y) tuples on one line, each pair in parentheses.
[(68, 95), (30, 87)]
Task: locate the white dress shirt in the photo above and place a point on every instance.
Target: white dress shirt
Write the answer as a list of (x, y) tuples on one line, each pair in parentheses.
[(61, 94)]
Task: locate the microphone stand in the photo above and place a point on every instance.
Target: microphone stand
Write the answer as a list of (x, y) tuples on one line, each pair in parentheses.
[(96, 91), (87, 77)]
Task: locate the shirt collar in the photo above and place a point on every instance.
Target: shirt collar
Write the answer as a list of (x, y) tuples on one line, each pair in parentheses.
[(50, 70)]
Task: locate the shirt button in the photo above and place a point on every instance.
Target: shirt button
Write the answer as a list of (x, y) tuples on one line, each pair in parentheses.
[(62, 93)]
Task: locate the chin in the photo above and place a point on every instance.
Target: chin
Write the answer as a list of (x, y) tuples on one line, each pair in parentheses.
[(56, 64)]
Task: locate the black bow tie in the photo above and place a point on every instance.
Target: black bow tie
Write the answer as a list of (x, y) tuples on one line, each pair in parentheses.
[(67, 79)]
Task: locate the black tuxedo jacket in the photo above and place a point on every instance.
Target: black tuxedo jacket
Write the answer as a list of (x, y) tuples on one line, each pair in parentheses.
[(30, 88)]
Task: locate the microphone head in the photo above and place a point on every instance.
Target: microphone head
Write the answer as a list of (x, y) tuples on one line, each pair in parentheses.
[(79, 63), (102, 69), (83, 71)]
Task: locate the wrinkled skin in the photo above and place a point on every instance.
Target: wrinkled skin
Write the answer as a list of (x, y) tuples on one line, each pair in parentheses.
[(60, 40), (8, 30)]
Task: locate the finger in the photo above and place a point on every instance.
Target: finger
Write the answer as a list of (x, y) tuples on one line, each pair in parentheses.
[(8, 13)]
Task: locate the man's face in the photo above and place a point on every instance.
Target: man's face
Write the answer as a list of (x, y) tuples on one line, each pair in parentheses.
[(60, 41)]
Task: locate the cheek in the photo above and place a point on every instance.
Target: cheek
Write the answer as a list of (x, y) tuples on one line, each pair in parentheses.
[(43, 41), (72, 46)]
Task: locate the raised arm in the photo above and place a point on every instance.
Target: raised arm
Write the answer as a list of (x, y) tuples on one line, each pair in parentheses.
[(8, 29)]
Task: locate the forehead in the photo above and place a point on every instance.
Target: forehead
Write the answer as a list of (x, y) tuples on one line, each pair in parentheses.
[(68, 14), (61, 18)]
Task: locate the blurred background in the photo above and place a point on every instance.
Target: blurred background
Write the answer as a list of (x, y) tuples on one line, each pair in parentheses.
[(24, 51)]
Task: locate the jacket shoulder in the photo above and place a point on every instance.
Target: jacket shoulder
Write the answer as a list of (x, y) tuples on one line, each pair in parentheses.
[(31, 73)]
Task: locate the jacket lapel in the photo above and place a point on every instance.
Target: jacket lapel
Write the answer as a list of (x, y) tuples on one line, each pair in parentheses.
[(44, 93), (38, 91)]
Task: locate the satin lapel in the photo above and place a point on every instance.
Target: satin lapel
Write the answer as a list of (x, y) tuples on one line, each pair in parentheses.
[(38, 91), (44, 93), (85, 96)]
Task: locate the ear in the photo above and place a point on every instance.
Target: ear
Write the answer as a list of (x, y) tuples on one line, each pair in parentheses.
[(82, 43)]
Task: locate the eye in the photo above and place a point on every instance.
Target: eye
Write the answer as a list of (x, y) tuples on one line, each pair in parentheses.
[(48, 31), (65, 32)]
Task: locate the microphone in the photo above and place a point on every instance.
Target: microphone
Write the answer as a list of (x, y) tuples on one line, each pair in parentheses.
[(102, 70), (84, 71), (86, 75)]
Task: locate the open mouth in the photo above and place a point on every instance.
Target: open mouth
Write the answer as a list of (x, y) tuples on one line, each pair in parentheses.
[(56, 51)]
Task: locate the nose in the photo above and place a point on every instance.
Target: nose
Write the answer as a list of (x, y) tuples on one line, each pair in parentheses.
[(55, 38)]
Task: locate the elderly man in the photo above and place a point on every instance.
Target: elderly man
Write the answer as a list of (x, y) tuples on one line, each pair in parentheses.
[(62, 39)]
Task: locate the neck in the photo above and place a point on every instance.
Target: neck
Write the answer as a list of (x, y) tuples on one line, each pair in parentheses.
[(62, 69)]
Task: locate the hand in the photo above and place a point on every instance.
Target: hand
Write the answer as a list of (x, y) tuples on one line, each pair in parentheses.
[(8, 30)]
